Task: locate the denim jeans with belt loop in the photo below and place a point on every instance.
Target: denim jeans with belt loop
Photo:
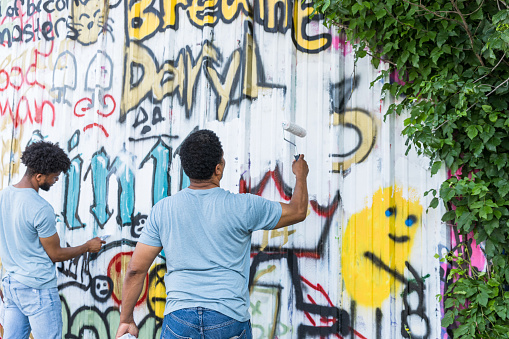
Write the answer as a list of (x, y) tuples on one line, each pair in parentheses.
[(203, 323), (30, 309)]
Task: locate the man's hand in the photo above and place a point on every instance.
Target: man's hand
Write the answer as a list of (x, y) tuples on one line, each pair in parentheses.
[(1, 295), (94, 245), (125, 328), (300, 167)]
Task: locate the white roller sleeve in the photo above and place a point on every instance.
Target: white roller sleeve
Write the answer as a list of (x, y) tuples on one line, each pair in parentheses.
[(294, 129)]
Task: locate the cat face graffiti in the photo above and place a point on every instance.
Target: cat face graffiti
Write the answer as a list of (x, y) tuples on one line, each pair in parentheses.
[(89, 19), (377, 242)]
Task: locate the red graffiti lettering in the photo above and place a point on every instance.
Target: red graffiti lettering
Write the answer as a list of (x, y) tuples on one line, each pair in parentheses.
[(24, 108)]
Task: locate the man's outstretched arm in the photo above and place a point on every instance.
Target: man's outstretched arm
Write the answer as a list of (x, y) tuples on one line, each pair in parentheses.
[(137, 269), (57, 254), (296, 210)]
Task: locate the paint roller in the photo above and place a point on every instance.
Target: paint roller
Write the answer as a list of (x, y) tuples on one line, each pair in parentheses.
[(295, 130)]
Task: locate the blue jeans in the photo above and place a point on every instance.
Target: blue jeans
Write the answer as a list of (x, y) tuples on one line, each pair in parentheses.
[(202, 323), (30, 309)]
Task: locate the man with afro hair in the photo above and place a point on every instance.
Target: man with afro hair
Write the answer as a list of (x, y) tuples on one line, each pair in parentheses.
[(205, 232), (30, 246)]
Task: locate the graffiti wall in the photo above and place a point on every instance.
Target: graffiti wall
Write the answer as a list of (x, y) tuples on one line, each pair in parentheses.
[(120, 84)]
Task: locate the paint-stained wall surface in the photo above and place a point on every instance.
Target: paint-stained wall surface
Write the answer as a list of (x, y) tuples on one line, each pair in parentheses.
[(120, 84)]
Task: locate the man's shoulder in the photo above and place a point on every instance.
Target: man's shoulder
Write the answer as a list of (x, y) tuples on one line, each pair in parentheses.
[(29, 196)]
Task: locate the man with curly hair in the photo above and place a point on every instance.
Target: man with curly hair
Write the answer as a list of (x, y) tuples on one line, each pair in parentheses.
[(30, 246), (205, 232)]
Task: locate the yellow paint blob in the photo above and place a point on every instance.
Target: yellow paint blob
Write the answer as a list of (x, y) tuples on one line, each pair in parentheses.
[(377, 242)]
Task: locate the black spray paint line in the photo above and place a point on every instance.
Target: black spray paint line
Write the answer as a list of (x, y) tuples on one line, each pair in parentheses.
[(342, 323), (379, 263)]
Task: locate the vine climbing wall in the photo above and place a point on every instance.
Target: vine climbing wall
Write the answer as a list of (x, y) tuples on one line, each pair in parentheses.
[(120, 84)]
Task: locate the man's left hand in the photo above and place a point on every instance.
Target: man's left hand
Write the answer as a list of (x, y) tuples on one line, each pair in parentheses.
[(125, 328)]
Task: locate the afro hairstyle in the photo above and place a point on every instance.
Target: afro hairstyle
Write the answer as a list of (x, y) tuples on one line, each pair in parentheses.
[(200, 152), (44, 158)]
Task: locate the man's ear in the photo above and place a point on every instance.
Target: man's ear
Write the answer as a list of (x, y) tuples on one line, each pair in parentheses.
[(38, 176), (218, 169)]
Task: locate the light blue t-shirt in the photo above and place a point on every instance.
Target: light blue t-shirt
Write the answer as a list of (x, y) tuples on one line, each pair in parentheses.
[(206, 237), (24, 218)]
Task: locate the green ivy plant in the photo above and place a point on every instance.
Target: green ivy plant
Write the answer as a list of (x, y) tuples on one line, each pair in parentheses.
[(453, 58)]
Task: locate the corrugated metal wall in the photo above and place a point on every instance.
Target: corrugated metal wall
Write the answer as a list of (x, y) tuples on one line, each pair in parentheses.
[(119, 85)]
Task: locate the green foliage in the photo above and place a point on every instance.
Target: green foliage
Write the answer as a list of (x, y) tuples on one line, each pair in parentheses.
[(453, 56)]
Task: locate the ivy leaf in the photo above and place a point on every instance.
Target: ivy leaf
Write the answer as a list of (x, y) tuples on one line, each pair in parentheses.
[(436, 166), (448, 319), (380, 13), (450, 215), (450, 302), (472, 131), (404, 56), (500, 161), (465, 219), (442, 37), (356, 7), (461, 330), (434, 203), (503, 190), (435, 54), (477, 204), (490, 226)]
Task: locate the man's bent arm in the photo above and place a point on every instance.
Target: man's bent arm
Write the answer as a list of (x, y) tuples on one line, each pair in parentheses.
[(56, 253), (296, 210), (137, 269)]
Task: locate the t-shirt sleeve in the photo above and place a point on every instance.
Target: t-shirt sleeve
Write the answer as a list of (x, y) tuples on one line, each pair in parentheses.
[(44, 222), (150, 233), (264, 214)]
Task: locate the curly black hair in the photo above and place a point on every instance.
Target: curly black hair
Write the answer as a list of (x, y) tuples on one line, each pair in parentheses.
[(200, 152), (44, 158)]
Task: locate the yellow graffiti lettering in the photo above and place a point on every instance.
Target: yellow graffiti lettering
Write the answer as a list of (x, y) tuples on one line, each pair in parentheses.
[(224, 89), (143, 76), (142, 19), (376, 243), (366, 126), (11, 150), (231, 11), (170, 12), (250, 83), (152, 79), (203, 13), (192, 71), (304, 42), (274, 234), (274, 14)]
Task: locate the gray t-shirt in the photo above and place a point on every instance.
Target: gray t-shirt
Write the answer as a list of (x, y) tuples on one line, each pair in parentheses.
[(24, 218), (206, 237)]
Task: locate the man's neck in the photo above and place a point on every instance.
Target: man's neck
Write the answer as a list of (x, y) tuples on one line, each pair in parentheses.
[(203, 184), (26, 182)]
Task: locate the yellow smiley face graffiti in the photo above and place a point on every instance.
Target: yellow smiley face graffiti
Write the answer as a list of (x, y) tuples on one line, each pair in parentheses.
[(156, 300), (377, 242)]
